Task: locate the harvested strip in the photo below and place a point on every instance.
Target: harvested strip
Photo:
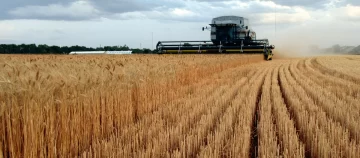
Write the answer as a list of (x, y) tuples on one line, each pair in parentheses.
[(334, 107), (217, 141), (327, 130), (290, 144), (241, 142), (268, 146)]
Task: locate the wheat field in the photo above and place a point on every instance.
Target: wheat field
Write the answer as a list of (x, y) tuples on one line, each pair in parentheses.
[(179, 106)]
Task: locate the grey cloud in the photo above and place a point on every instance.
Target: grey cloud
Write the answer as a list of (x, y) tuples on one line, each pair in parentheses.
[(7, 6), (122, 6), (77, 10), (215, 0), (258, 12), (70, 10), (306, 3), (353, 2), (95, 9)]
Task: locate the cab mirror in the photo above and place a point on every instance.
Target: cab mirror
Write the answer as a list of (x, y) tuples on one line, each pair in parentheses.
[(247, 27), (203, 28)]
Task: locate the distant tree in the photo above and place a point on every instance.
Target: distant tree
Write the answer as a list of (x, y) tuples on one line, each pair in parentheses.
[(124, 48), (2, 48), (54, 49), (336, 48), (32, 48), (356, 50), (187, 44), (99, 49), (64, 50), (45, 49), (147, 51)]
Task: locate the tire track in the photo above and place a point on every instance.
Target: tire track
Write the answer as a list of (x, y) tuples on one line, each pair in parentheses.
[(245, 139), (215, 140), (193, 123), (341, 92), (325, 100), (245, 136), (267, 138), (349, 90), (290, 143), (342, 64), (204, 141), (332, 72), (195, 138), (217, 146), (302, 121), (256, 94), (324, 136)]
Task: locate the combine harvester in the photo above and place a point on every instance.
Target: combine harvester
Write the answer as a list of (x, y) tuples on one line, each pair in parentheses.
[(229, 34)]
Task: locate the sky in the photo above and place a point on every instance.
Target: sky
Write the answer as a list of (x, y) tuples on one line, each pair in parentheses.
[(142, 23)]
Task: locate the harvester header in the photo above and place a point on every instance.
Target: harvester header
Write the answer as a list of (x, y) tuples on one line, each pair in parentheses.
[(228, 34)]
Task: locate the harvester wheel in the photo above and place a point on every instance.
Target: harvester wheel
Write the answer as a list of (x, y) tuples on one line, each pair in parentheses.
[(268, 55)]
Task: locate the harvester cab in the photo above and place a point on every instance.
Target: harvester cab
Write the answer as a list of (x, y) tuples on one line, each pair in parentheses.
[(228, 34)]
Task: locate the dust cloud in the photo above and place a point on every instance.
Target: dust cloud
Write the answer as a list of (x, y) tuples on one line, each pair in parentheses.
[(313, 38), (295, 44)]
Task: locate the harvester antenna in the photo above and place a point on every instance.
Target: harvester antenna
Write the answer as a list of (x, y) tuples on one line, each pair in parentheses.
[(275, 19)]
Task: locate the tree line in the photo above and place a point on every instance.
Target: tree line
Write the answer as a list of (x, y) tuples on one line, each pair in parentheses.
[(45, 49)]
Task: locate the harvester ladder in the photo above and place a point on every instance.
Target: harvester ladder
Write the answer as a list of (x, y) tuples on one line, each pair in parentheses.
[(241, 48), (179, 51), (220, 51), (199, 51)]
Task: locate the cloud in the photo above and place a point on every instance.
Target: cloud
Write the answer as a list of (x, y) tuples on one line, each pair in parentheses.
[(306, 3), (85, 9), (95, 9), (123, 6), (266, 12), (303, 3), (78, 10), (7, 6), (173, 15), (299, 16), (348, 13), (353, 12), (182, 12), (353, 2), (259, 12)]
